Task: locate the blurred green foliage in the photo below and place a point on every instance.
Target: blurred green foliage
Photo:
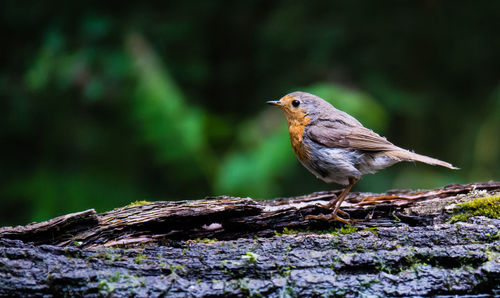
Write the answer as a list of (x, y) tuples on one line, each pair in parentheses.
[(104, 104)]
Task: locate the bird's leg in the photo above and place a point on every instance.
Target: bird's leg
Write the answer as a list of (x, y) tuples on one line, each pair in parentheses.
[(335, 205), (327, 206)]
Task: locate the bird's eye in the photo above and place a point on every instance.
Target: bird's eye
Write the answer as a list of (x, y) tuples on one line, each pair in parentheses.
[(295, 103)]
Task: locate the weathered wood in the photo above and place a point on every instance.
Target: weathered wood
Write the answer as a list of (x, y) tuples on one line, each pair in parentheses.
[(152, 250), (52, 230), (444, 259), (231, 218)]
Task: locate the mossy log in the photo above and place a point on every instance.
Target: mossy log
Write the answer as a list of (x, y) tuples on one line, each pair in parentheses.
[(402, 243)]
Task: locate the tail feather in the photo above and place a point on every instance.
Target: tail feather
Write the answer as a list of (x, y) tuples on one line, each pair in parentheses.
[(411, 156)]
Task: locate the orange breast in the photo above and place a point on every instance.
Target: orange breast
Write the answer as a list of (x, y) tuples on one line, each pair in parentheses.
[(296, 130)]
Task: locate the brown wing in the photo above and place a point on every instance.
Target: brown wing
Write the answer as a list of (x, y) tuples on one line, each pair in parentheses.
[(352, 135), (339, 134)]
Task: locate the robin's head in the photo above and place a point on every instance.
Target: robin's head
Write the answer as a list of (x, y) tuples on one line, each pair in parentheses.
[(298, 105)]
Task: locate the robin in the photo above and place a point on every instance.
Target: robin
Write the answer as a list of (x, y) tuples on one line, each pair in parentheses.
[(336, 147)]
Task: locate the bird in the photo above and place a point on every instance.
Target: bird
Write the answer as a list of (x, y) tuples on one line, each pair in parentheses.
[(337, 148)]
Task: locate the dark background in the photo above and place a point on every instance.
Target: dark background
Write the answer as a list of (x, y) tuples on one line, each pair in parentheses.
[(106, 103)]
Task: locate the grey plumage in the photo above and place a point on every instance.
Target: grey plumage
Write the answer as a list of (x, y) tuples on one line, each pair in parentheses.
[(343, 148), (335, 147)]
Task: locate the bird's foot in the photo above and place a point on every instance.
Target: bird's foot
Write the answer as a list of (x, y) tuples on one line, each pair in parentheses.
[(328, 206), (324, 206), (331, 217)]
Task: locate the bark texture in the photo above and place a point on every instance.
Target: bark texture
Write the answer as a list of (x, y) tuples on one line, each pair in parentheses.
[(400, 245)]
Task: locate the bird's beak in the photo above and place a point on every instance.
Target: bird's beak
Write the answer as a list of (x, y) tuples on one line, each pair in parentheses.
[(274, 102)]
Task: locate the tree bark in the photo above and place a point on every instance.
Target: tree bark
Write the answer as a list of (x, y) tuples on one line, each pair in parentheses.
[(401, 244)]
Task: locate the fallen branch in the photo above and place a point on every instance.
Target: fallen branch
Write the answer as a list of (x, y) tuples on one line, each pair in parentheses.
[(402, 245), (231, 218)]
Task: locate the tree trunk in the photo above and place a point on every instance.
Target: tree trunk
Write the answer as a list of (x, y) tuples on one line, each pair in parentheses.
[(400, 243)]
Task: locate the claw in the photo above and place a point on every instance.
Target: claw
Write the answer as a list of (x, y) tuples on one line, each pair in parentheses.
[(334, 205), (328, 217), (343, 213), (333, 216), (330, 204), (324, 206)]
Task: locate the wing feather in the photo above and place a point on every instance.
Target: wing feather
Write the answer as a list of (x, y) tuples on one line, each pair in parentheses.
[(338, 134)]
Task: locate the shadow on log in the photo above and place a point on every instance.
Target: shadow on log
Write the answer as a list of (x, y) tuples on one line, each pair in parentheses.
[(399, 244)]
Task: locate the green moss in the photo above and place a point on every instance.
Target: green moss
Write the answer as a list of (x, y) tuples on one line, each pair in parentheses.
[(136, 203), (139, 259), (283, 271), (176, 269), (491, 254), (367, 282), (208, 241), (348, 229), (106, 284), (371, 230), (250, 257), (344, 230), (382, 266), (107, 255), (485, 206), (287, 231), (115, 277), (204, 240)]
